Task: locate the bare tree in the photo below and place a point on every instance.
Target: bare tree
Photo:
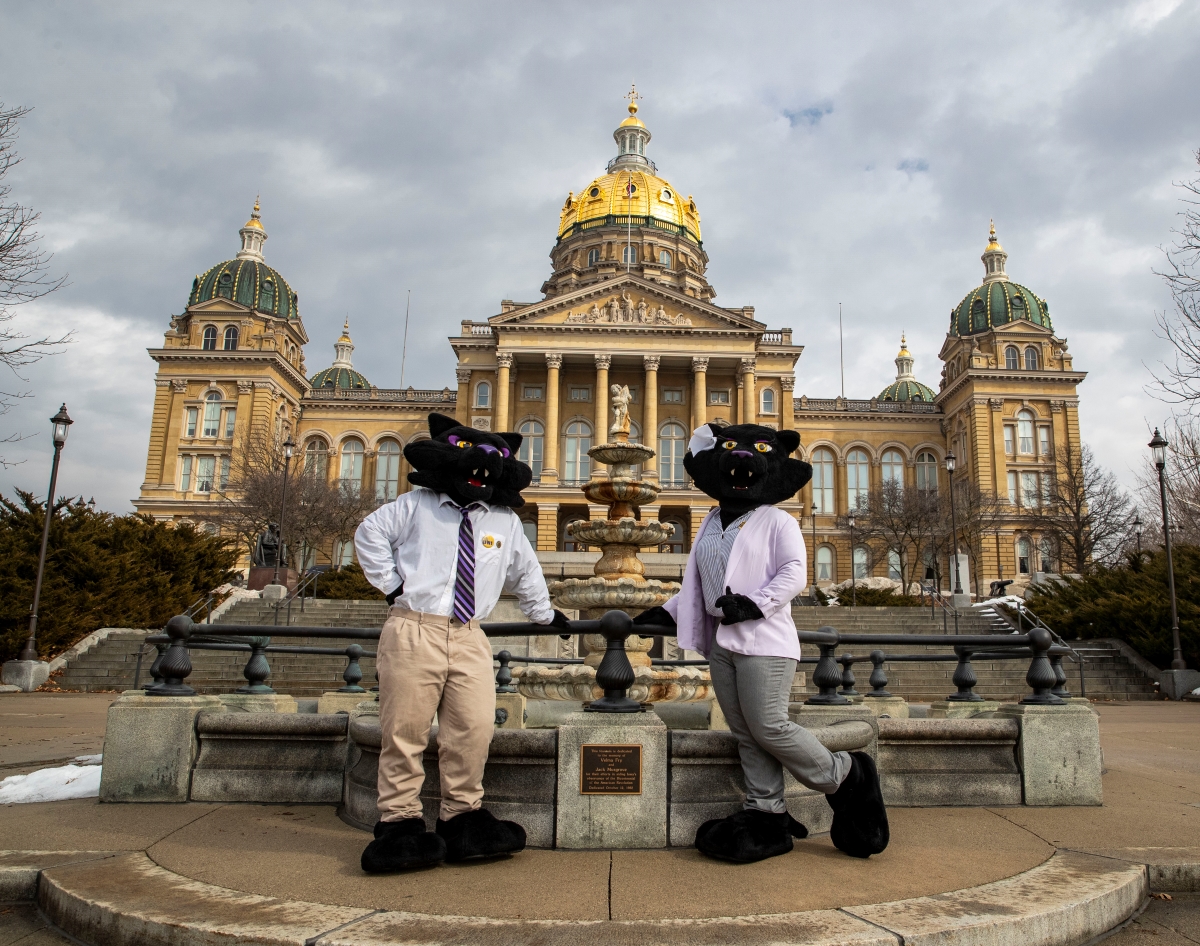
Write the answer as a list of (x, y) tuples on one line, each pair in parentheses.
[(1180, 380), (23, 274), (897, 519), (979, 513), (1086, 511), (1183, 488)]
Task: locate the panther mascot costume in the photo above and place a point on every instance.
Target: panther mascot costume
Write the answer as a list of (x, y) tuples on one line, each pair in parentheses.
[(746, 565), (442, 554)]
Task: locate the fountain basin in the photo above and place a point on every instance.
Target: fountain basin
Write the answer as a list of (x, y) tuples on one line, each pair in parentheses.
[(633, 594), (578, 682), (622, 491), (626, 531)]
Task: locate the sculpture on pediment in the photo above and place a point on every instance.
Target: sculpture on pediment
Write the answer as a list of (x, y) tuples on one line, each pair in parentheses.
[(620, 408), (614, 310), (643, 315), (626, 307)]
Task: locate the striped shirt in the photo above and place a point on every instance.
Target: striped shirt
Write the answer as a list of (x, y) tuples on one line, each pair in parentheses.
[(712, 556)]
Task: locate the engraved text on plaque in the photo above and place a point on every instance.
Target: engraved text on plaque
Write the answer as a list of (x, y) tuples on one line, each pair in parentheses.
[(610, 770)]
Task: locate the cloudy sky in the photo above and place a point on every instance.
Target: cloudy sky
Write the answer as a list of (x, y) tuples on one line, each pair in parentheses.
[(845, 152)]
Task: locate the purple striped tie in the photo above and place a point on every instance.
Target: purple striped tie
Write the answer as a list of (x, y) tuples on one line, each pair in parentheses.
[(464, 581)]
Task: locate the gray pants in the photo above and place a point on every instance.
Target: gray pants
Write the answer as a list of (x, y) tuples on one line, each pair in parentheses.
[(753, 693)]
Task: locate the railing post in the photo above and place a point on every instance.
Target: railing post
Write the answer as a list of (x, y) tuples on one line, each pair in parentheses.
[(504, 677), (176, 663), (615, 673), (964, 678), (1041, 676), (1060, 677), (257, 669), (156, 667), (826, 676), (879, 680), (353, 672), (847, 662)]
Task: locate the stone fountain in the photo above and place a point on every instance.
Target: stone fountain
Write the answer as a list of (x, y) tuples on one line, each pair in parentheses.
[(619, 582)]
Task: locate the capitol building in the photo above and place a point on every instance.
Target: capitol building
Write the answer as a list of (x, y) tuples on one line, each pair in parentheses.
[(627, 302)]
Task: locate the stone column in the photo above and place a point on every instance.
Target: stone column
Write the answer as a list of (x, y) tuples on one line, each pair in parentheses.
[(504, 361), (547, 523), (550, 447), (156, 455), (787, 404), (602, 424), (999, 457), (699, 391), (650, 415), (749, 403), (462, 406)]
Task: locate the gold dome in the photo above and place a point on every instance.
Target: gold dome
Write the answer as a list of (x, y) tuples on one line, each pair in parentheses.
[(652, 196), (993, 243), (904, 352), (254, 220), (345, 332)]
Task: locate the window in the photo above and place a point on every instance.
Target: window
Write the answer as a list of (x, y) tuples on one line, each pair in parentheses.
[(316, 458), (579, 394), (629, 254), (529, 527), (1012, 360), (675, 544), (858, 478), (350, 473), (1030, 496), (862, 560), (672, 445), (894, 572), (927, 472), (672, 395), (230, 422), (205, 467), (577, 465), (664, 258), (822, 482), (570, 543), (1012, 488), (224, 480), (1031, 359), (893, 467), (212, 415), (1044, 441), (185, 473), (343, 553), (1025, 431), (1023, 556), (190, 423), (209, 342), (387, 471), (231, 338), (768, 401), (1009, 439), (719, 396), (530, 453), (593, 257), (824, 563), (483, 394), (1045, 555), (532, 392)]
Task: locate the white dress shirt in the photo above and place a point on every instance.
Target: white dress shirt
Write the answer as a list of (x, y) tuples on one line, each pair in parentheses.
[(415, 540)]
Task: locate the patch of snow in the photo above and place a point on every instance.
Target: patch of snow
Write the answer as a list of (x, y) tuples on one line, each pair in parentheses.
[(90, 759), (57, 784), (1196, 692)]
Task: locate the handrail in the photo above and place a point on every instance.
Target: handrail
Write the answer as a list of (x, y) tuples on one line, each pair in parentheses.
[(1023, 609), (308, 580)]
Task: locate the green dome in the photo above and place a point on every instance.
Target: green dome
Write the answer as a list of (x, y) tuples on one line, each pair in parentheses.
[(340, 378), (250, 283), (997, 303), (907, 391)]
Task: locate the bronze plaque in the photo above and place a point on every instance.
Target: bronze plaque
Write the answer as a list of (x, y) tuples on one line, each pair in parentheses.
[(610, 770)]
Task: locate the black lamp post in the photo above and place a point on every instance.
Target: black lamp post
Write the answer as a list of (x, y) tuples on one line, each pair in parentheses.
[(61, 422), (1158, 446), (951, 462), (1139, 527), (288, 448), (853, 564)]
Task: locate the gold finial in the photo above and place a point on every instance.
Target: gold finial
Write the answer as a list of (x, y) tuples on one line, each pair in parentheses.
[(256, 203), (633, 98), (345, 330), (254, 220), (993, 243), (904, 353)]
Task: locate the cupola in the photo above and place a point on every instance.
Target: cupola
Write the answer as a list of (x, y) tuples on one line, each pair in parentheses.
[(340, 376), (997, 300), (906, 387)]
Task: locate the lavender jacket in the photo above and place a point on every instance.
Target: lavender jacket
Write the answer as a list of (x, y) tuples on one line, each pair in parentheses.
[(768, 565)]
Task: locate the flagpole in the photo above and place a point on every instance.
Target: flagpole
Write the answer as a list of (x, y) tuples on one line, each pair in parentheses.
[(841, 350), (404, 350)]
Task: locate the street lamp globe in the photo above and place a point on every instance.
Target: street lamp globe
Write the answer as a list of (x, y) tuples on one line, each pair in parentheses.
[(61, 422), (950, 461), (1138, 526), (850, 520), (289, 448), (1158, 446)]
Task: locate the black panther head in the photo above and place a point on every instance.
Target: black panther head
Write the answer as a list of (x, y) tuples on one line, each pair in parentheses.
[(746, 465), (469, 465)]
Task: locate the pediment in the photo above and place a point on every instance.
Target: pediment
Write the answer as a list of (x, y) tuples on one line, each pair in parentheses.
[(626, 302), (219, 304)]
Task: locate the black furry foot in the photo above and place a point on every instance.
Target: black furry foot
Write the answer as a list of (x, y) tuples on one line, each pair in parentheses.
[(479, 833), (750, 835), (860, 824), (402, 845)]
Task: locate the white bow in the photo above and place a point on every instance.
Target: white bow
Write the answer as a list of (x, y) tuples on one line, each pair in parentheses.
[(703, 439)]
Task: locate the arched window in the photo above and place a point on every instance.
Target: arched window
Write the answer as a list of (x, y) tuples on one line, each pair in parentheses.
[(822, 482), (825, 569), (893, 467), (387, 471), (577, 465), (927, 472), (629, 254), (1023, 556), (664, 258), (676, 544), (593, 257), (862, 562), (483, 394), (533, 436), (768, 401), (529, 527), (894, 565), (212, 415), (1025, 431), (231, 338), (570, 544), (316, 458), (350, 474), (209, 342), (671, 448), (858, 478), (1046, 555), (1012, 358), (1031, 359)]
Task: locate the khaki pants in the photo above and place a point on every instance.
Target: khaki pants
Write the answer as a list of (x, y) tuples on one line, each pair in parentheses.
[(432, 664)]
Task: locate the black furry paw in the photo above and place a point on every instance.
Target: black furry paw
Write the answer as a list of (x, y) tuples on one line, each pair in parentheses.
[(560, 621), (749, 836), (656, 615), (860, 823), (478, 833), (402, 845), (737, 608), (391, 598)]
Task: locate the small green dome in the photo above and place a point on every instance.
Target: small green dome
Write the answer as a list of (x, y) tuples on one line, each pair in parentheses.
[(250, 283), (907, 391), (997, 303), (341, 378)]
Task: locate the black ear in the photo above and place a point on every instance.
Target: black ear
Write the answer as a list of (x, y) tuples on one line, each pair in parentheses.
[(440, 423), (513, 440), (789, 440)]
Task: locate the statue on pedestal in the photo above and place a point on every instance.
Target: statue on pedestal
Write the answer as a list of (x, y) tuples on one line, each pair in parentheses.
[(620, 408)]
